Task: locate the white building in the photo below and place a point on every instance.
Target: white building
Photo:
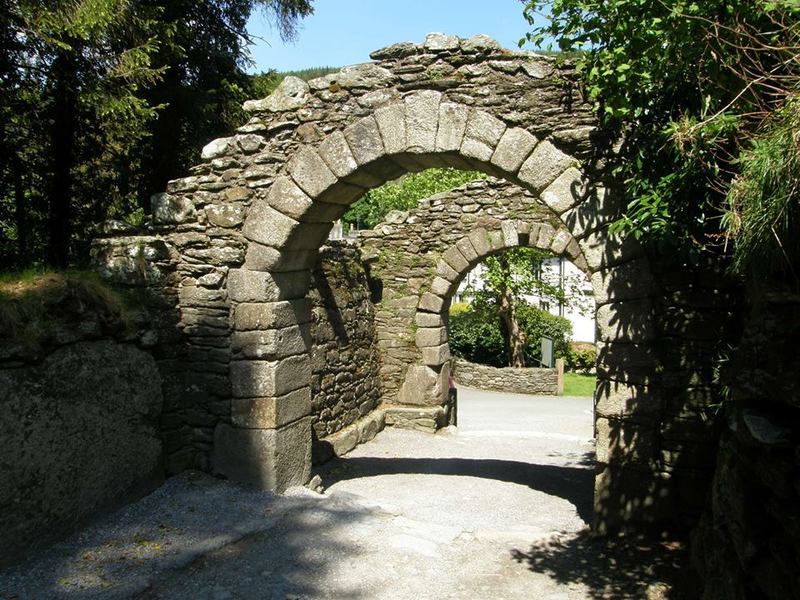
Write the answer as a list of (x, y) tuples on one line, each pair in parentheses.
[(557, 271)]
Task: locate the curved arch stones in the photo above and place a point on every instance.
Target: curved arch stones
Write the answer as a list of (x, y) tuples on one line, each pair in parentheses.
[(236, 239)]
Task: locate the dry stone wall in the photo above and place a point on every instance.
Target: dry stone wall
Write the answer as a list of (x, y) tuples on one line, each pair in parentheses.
[(531, 380), (345, 383)]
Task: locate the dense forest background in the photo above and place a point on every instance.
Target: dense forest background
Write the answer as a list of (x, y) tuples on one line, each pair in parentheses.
[(104, 101)]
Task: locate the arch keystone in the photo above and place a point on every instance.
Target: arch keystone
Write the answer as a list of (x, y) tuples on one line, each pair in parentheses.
[(452, 125), (422, 120), (391, 122)]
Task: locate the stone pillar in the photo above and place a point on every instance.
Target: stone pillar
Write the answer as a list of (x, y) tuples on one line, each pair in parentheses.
[(268, 443), (560, 376)]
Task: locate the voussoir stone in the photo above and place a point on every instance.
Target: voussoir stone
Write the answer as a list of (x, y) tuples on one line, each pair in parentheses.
[(543, 166)]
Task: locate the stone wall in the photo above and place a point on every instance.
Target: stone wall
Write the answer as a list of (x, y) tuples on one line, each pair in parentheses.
[(404, 252), (345, 384), (748, 542), (79, 424), (543, 382)]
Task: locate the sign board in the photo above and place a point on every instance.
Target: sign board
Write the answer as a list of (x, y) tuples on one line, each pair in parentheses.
[(548, 355)]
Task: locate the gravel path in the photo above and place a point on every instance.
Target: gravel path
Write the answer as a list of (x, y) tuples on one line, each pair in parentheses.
[(494, 509)]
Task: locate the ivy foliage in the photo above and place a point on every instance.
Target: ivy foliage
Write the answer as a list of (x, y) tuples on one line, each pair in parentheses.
[(403, 194), (695, 92)]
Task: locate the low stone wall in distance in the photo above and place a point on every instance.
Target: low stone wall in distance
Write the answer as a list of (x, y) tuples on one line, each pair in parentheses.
[(543, 382)]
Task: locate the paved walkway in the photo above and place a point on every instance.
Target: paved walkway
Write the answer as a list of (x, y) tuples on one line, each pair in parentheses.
[(496, 508)]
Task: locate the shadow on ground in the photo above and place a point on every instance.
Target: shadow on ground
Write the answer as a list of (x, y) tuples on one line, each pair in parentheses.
[(614, 567), (573, 484)]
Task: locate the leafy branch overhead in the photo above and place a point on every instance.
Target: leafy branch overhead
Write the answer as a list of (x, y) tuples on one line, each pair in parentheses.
[(699, 93)]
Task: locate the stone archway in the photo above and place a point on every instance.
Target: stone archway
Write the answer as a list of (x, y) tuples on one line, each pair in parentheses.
[(287, 225), (233, 245)]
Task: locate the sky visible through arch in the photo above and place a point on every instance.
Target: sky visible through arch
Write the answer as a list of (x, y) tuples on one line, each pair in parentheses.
[(344, 32)]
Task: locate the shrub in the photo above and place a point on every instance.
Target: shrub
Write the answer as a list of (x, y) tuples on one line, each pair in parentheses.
[(476, 336), (580, 357)]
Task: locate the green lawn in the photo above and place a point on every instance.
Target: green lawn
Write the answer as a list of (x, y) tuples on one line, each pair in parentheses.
[(578, 385)]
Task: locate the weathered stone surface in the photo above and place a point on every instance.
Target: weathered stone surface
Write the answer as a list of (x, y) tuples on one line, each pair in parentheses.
[(513, 148), (216, 148), (391, 122), (479, 43), (271, 412), (436, 42), (364, 140), (256, 286), (291, 94), (366, 75), (260, 378), (271, 344), (481, 136), (565, 192), (431, 336), (80, 436), (171, 209), (272, 315), (423, 385), (543, 166), (434, 356), (269, 459), (427, 419), (431, 302), (226, 215), (422, 120), (452, 125), (310, 172)]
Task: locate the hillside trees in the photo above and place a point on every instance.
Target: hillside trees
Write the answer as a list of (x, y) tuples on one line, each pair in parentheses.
[(101, 99), (699, 93)]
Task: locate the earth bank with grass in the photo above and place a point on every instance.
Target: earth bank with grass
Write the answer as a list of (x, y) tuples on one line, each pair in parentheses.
[(80, 401)]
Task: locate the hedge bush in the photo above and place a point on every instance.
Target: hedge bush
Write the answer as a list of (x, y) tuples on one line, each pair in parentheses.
[(476, 334)]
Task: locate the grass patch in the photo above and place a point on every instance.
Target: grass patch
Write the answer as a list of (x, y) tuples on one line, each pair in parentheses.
[(579, 385), (34, 303)]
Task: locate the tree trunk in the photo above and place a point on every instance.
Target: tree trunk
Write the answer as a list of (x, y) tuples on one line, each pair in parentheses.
[(506, 308), (20, 216), (62, 139)]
